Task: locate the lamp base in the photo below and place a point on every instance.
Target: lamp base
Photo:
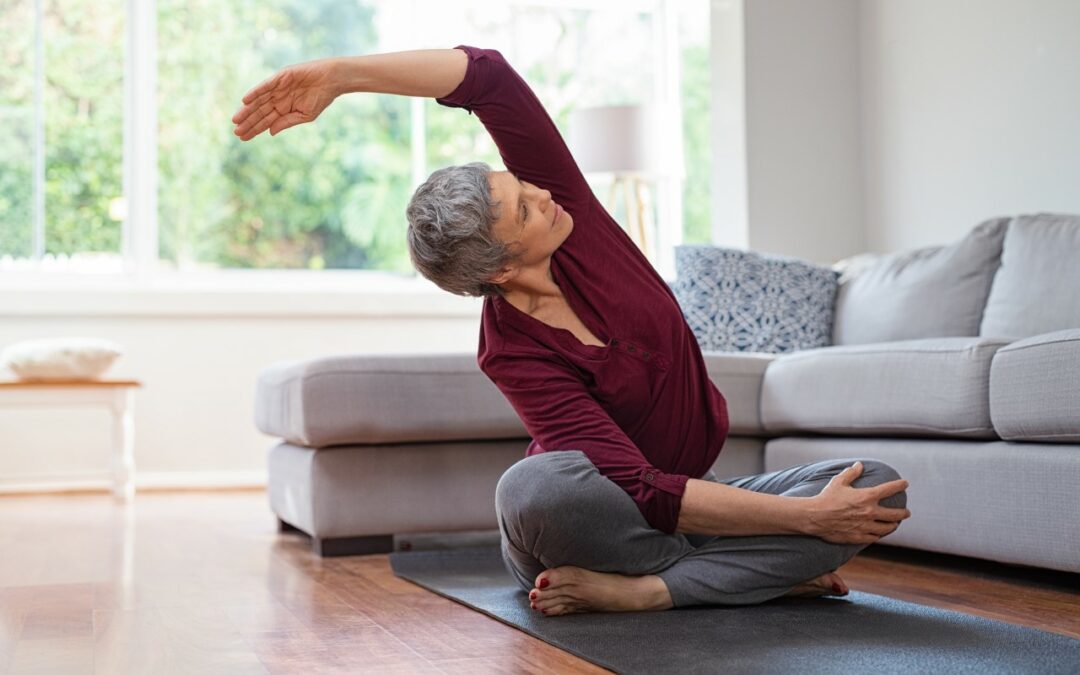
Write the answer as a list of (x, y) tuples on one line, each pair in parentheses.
[(635, 204)]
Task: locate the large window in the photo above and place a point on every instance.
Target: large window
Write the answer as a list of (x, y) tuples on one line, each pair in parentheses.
[(61, 128), (325, 196)]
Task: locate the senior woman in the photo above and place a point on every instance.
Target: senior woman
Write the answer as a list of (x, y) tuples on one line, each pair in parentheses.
[(615, 506)]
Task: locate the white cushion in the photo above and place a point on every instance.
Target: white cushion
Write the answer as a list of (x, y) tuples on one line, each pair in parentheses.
[(68, 358)]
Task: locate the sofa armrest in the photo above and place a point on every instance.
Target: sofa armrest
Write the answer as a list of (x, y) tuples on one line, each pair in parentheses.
[(379, 399), (738, 376)]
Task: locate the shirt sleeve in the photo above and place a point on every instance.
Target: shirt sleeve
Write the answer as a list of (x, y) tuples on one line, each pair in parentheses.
[(560, 414), (529, 143)]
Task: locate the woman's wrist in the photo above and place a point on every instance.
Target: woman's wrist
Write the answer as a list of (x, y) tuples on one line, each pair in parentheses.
[(344, 74), (803, 515)]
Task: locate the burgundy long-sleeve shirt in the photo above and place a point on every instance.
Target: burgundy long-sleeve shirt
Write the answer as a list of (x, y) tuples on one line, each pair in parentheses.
[(641, 408)]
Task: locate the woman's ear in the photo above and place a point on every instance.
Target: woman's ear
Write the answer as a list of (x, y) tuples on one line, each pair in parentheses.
[(505, 274)]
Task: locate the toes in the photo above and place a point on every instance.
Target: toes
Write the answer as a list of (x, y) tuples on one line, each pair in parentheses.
[(544, 579), (537, 596), (550, 602), (556, 610), (838, 585)]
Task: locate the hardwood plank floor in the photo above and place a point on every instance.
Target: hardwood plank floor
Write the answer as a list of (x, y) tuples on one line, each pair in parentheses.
[(202, 582)]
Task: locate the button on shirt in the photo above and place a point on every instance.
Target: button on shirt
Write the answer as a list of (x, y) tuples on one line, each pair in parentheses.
[(642, 407)]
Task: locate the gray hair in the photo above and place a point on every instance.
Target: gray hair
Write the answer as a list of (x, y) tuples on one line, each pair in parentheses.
[(451, 231)]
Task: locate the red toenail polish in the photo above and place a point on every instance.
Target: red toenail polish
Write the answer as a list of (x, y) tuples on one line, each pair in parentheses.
[(544, 583), (544, 612), (837, 589)]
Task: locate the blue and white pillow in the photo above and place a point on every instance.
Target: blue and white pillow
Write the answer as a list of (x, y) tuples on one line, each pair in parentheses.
[(744, 301)]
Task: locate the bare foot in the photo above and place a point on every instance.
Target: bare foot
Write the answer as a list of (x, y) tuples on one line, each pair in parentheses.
[(566, 590), (829, 583)]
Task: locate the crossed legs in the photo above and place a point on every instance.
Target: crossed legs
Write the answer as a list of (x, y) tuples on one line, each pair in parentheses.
[(556, 510)]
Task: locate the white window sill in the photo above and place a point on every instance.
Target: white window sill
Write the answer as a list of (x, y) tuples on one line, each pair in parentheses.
[(233, 294)]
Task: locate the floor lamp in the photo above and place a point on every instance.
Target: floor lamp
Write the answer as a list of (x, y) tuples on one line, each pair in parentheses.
[(617, 140)]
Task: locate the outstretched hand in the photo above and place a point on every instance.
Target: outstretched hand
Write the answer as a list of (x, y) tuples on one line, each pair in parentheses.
[(294, 95), (843, 514)]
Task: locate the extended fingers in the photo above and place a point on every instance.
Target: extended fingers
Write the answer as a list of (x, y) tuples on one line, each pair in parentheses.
[(248, 109), (262, 88), (260, 103), (286, 121), (261, 126), (257, 115)]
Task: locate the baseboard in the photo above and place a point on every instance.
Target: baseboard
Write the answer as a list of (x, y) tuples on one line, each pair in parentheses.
[(97, 481)]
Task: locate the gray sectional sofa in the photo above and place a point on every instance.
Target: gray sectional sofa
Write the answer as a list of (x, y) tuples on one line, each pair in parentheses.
[(958, 365)]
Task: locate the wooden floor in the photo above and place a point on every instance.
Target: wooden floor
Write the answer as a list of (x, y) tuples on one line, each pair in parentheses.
[(201, 582)]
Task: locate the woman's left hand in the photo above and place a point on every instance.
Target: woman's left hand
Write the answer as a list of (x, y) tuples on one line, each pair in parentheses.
[(844, 514)]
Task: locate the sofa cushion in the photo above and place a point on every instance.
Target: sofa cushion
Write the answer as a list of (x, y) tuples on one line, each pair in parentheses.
[(738, 377), (1035, 387), (931, 387), (996, 500), (382, 399), (1035, 290), (744, 301), (937, 291)]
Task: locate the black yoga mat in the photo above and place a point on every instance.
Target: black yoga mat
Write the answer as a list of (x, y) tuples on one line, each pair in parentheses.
[(859, 633)]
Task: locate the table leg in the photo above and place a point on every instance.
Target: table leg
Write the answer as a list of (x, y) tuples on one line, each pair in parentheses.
[(123, 411)]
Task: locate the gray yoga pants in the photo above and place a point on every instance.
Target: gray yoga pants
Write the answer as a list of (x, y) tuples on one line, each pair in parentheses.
[(556, 509)]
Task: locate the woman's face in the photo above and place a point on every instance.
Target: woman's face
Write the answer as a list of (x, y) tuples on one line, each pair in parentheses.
[(529, 221)]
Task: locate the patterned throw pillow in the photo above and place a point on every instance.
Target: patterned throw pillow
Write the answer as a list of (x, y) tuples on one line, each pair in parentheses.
[(744, 301)]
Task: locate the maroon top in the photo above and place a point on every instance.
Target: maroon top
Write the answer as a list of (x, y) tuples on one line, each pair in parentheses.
[(642, 408)]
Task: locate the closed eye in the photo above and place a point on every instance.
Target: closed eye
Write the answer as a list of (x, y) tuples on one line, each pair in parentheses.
[(524, 209)]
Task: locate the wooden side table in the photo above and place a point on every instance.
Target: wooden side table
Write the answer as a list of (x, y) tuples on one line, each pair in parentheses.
[(116, 395)]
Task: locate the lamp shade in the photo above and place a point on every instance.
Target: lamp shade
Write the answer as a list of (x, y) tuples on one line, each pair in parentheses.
[(614, 139)]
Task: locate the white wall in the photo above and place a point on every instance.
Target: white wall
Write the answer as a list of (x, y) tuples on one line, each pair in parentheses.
[(802, 128), (970, 109), (728, 206), (849, 125)]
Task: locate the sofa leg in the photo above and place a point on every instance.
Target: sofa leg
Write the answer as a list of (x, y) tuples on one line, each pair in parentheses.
[(282, 526), (380, 543)]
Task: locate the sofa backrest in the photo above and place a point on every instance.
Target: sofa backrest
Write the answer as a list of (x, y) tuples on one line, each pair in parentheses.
[(938, 291), (1037, 287)]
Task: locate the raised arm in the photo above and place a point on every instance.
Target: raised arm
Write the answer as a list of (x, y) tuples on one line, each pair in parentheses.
[(479, 80), (529, 143), (299, 93)]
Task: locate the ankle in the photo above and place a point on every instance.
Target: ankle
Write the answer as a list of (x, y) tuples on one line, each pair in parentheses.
[(654, 593)]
